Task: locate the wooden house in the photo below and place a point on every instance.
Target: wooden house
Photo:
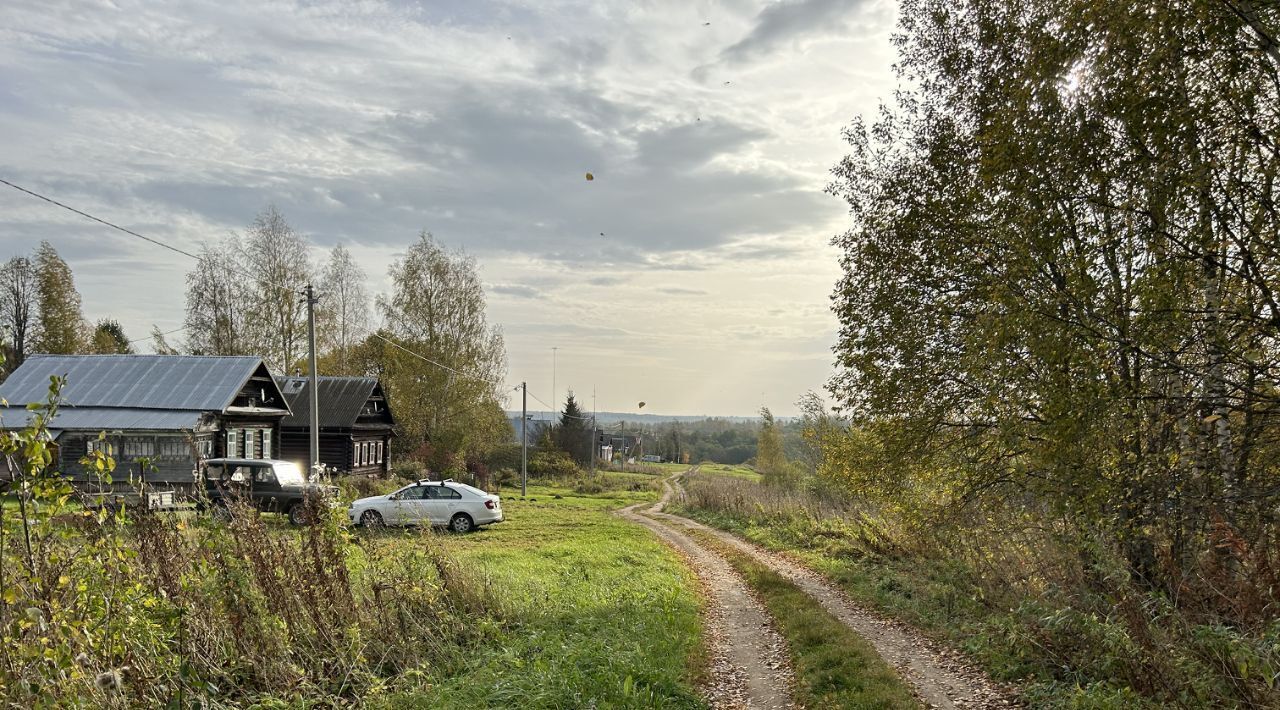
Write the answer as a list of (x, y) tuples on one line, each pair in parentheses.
[(356, 425), (168, 411)]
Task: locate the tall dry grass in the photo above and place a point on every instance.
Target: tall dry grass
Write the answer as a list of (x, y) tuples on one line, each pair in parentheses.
[(164, 610), (1031, 595)]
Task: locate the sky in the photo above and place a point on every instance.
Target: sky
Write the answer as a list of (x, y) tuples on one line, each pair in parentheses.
[(693, 273)]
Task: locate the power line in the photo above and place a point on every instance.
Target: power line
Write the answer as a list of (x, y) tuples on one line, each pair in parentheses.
[(149, 337), (143, 237), (256, 278), (99, 220), (562, 414), (197, 257)]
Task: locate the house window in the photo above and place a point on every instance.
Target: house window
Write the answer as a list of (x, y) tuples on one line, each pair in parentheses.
[(93, 446), (266, 443), (205, 447), (232, 443), (174, 448), (379, 458), (364, 453), (137, 448), (250, 446)]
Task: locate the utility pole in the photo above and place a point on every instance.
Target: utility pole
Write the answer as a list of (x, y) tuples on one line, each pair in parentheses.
[(313, 387), (524, 439), (595, 440), (555, 403)]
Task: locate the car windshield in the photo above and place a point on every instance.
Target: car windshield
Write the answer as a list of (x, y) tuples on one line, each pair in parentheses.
[(288, 474)]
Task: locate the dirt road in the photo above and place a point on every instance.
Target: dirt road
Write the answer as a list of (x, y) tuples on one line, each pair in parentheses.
[(940, 677), (748, 657)]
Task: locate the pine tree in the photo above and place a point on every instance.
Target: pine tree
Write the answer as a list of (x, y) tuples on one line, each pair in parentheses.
[(572, 432)]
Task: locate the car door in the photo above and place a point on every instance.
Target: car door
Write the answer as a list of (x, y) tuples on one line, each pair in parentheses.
[(442, 503), (411, 507), (265, 488)]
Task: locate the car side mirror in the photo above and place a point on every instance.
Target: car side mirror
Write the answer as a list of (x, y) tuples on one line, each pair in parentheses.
[(394, 496)]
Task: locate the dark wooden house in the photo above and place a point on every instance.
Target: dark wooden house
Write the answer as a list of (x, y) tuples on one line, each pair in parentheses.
[(356, 424), (169, 410)]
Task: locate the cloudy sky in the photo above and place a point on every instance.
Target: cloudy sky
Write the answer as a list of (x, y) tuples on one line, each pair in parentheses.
[(693, 273)]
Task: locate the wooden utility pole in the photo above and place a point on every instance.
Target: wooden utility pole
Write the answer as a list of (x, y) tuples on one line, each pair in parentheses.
[(524, 439), (312, 387)]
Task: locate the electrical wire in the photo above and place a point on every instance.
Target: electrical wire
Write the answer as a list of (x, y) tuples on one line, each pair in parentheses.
[(571, 416), (254, 277), (149, 337)]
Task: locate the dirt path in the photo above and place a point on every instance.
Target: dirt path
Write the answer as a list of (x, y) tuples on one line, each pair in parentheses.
[(940, 677), (749, 666)]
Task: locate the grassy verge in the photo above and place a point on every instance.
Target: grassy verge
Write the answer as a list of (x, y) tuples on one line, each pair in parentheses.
[(834, 667), (1065, 645), (597, 613)]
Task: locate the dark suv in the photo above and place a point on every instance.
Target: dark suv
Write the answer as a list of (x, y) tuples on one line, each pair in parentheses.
[(270, 485)]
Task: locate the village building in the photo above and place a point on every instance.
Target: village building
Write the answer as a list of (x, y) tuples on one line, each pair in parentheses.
[(356, 425), (157, 415)]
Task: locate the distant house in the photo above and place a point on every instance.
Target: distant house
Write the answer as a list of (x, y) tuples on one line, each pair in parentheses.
[(171, 410), (356, 425)]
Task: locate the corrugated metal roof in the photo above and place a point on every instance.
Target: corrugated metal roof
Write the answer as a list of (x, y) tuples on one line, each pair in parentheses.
[(105, 418), (192, 382), (341, 399)]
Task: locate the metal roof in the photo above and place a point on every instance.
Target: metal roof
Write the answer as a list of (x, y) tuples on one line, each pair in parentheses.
[(341, 399), (105, 418), (191, 382)]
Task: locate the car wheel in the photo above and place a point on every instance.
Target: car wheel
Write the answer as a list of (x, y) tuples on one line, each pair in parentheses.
[(462, 523), (371, 519), (298, 514)]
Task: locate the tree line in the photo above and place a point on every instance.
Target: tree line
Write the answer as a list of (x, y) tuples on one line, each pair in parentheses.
[(40, 311), (439, 360), (1059, 303)]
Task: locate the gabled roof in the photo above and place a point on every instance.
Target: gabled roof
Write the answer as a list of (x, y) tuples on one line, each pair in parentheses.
[(186, 382), (341, 400)]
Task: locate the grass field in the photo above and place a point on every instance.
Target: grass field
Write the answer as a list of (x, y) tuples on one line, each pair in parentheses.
[(596, 612), (728, 470)]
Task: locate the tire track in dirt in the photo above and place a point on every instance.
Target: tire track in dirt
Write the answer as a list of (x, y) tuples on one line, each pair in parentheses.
[(940, 677), (749, 666)]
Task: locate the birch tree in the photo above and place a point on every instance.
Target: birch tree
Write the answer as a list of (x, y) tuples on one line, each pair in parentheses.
[(278, 260), (17, 318), (343, 317), (1060, 279), (218, 301), (436, 308)]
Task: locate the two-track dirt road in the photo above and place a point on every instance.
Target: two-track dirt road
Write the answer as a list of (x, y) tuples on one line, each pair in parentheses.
[(749, 666)]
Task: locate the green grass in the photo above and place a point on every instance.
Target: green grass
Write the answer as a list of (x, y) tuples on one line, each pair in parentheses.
[(834, 667), (596, 611), (729, 471)]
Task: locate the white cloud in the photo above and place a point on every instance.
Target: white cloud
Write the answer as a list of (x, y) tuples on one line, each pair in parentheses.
[(696, 258)]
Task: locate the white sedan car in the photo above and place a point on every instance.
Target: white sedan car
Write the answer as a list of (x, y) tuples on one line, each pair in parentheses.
[(457, 506)]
